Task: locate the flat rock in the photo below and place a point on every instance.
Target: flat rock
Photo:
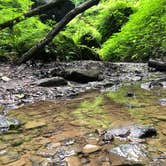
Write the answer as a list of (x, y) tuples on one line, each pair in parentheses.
[(50, 82), (131, 151), (90, 148), (34, 124), (9, 157), (73, 161)]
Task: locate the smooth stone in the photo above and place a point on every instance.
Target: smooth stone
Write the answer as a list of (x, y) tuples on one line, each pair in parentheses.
[(34, 124), (50, 82), (89, 148), (6, 79), (132, 151), (73, 161)]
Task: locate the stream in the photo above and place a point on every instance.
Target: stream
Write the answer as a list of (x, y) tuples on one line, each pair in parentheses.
[(116, 119)]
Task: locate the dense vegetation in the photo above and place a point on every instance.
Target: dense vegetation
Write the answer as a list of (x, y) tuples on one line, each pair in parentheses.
[(131, 30)]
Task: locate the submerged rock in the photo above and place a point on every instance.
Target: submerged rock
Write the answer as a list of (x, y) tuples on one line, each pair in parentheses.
[(7, 123), (90, 148), (131, 151), (54, 81)]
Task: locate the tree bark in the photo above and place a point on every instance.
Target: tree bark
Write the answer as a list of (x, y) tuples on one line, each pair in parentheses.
[(31, 13), (56, 29), (158, 65)]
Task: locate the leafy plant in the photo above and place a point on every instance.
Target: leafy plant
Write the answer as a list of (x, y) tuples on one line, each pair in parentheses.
[(142, 37)]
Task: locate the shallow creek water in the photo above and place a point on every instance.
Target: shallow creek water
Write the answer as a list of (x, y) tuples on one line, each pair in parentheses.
[(52, 122)]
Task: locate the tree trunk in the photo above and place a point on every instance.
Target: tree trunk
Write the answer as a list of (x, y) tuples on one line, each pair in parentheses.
[(56, 29), (158, 65), (31, 13)]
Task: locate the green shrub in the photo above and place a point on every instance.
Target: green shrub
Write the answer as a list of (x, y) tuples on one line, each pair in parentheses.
[(64, 48), (112, 18), (142, 37)]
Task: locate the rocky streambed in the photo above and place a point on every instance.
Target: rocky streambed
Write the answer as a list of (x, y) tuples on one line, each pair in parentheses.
[(82, 114)]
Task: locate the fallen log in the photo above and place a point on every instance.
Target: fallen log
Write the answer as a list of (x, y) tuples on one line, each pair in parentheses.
[(157, 64), (33, 12), (56, 29)]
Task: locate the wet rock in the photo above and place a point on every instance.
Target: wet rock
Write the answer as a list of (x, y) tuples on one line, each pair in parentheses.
[(159, 161), (46, 152), (67, 151), (85, 160), (52, 145), (69, 141), (92, 138), (49, 82), (162, 102), (82, 76), (131, 151), (36, 160), (34, 124), (116, 159), (9, 157), (110, 134), (142, 131), (90, 148), (154, 83), (7, 123), (130, 132), (5, 78), (73, 161)]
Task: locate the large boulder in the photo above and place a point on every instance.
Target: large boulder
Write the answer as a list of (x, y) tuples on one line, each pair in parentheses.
[(56, 13), (82, 76)]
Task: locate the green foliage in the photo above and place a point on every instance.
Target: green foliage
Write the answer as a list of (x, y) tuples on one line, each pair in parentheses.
[(65, 48), (131, 38), (23, 35), (142, 37), (112, 18)]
